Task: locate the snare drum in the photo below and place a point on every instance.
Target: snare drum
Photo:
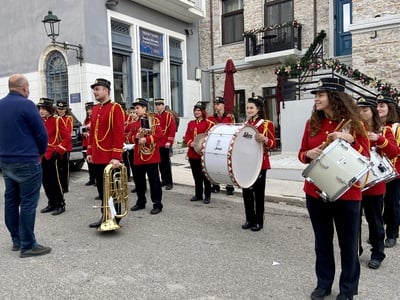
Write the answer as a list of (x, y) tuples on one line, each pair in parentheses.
[(337, 168), (382, 170), (231, 155)]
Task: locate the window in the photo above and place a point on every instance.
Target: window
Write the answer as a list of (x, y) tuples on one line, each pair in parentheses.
[(57, 77), (122, 50), (232, 21), (176, 75), (280, 12)]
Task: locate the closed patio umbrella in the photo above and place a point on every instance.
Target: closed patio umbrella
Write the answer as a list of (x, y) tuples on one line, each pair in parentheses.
[(229, 88)]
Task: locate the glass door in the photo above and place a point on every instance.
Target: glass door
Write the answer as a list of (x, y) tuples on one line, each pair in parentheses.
[(150, 76)]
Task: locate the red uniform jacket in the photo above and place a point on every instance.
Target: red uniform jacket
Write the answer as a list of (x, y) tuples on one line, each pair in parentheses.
[(225, 118), (152, 155), (85, 139), (267, 129), (167, 123), (385, 145), (396, 133), (58, 136), (361, 144), (194, 128), (68, 123), (106, 137)]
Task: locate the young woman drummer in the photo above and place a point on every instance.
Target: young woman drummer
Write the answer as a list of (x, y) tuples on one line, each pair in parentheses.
[(253, 197), (381, 139), (331, 106), (199, 125), (391, 213)]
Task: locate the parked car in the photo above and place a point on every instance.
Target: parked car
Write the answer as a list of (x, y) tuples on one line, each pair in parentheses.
[(76, 159)]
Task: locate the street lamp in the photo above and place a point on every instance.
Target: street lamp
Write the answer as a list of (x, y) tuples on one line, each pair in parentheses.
[(52, 26)]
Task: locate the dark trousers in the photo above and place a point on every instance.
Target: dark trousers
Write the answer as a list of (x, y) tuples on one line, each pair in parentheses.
[(90, 167), (127, 163), (52, 183), (391, 212), (199, 179), (154, 181), (165, 165), (98, 171), (345, 216), (253, 198), (373, 208), (64, 171)]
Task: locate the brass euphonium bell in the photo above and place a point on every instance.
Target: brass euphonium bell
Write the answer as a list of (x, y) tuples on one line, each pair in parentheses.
[(147, 127), (115, 197)]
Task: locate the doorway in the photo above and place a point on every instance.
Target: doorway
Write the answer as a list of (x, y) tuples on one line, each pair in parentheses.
[(343, 18), (150, 79)]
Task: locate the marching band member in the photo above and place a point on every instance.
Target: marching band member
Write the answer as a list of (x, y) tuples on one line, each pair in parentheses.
[(331, 105), (58, 135), (254, 196), (220, 116), (382, 139), (63, 112), (106, 135), (167, 123), (391, 212), (85, 140), (197, 126), (145, 134), (133, 117)]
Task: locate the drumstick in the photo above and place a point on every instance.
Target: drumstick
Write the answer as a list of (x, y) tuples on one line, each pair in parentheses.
[(339, 127)]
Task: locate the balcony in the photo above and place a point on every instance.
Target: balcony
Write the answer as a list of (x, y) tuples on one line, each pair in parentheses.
[(188, 11), (270, 45)]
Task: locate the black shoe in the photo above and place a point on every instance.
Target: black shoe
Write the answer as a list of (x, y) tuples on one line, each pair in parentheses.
[(374, 264), (320, 293), (247, 225), (58, 211), (137, 207), (343, 297), (256, 227), (229, 193), (389, 243), (96, 224), (47, 209), (155, 210), (194, 198), (169, 187), (15, 248), (38, 250), (97, 198), (133, 190), (90, 183), (207, 200), (163, 183), (215, 189)]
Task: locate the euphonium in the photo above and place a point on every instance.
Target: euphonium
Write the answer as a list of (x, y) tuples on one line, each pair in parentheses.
[(115, 198), (147, 124)]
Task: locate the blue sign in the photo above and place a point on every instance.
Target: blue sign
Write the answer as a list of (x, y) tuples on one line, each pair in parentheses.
[(151, 43), (75, 98)]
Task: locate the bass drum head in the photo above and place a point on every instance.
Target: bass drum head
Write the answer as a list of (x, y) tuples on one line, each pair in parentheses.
[(246, 156)]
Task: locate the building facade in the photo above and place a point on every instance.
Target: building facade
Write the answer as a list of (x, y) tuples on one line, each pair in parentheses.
[(146, 48), (261, 36)]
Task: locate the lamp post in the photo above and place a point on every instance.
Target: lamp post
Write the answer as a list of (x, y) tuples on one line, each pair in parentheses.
[(52, 26)]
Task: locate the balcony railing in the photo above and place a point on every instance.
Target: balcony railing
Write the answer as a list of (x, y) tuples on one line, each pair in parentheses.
[(272, 40)]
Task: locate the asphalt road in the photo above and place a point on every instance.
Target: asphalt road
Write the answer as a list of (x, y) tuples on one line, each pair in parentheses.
[(189, 251)]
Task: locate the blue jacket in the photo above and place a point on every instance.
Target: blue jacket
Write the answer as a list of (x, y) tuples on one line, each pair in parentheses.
[(23, 136)]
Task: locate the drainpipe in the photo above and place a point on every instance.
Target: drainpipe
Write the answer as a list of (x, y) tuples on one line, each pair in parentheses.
[(315, 19), (212, 50)]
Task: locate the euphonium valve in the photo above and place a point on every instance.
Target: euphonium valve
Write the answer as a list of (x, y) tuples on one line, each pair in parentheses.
[(115, 197)]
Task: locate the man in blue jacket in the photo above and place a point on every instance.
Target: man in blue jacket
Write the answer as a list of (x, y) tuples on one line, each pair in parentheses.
[(23, 139)]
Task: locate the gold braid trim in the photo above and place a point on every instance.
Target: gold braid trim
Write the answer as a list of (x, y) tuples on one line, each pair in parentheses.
[(110, 122), (53, 144)]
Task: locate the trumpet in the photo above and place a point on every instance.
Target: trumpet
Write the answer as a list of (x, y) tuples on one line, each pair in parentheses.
[(115, 199)]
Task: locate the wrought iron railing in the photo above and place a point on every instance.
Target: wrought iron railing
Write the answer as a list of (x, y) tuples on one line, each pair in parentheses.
[(272, 40)]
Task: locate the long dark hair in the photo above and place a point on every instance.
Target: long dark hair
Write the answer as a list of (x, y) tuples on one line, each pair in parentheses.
[(392, 116), (343, 107)]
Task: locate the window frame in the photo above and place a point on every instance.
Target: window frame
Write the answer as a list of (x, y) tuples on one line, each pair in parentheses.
[(230, 14)]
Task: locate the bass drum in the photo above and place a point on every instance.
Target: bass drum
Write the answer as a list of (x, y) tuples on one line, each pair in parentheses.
[(231, 155)]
